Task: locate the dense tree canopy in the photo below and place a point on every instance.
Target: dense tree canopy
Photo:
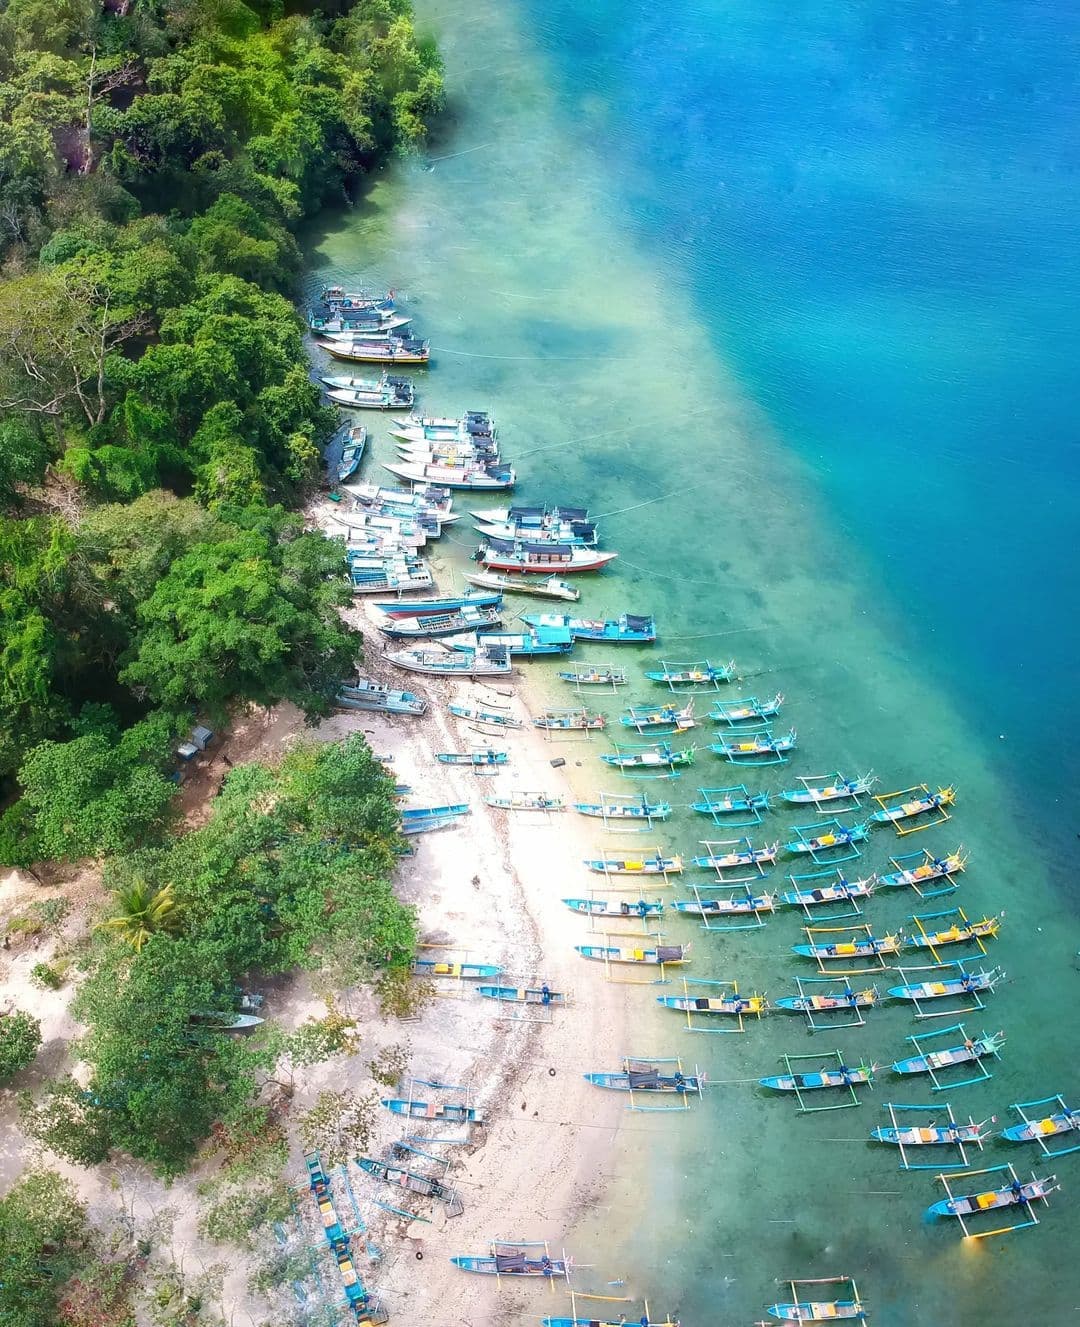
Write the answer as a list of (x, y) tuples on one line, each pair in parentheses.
[(41, 1226)]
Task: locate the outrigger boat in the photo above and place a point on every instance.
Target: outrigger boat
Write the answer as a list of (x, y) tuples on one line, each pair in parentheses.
[(629, 629), (453, 623), (1038, 1130), (570, 720), (964, 983), (426, 1185), (595, 677), (536, 559), (764, 748), (829, 1002), (542, 995), (515, 1258), (643, 717), (378, 350), (742, 711), (929, 869), (693, 674), (746, 855), (737, 905), (363, 694), (660, 956), (552, 588), (867, 947), (823, 1312), (842, 891), (737, 1006), (426, 967), (821, 788), (732, 801), (929, 1062), (657, 865), (595, 907), (434, 1110), (645, 1076), (962, 932), (844, 1076), (523, 801), (487, 661), (478, 714), (528, 644), (384, 393), (839, 836), (1018, 1193), (659, 755), (615, 810), (953, 1134), (894, 811), (476, 758)]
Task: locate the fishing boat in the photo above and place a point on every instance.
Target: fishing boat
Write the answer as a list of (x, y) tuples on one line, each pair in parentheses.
[(378, 350), (485, 661), (1019, 1192), (925, 803), (473, 477), (823, 1312), (933, 1135), (417, 502), (570, 721), (842, 891), (643, 1076), (226, 1021), (734, 1005), (352, 453), (434, 1110), (747, 855), (441, 428), (458, 454), (762, 748), (530, 518), (645, 717), (363, 694), (930, 868), (581, 533), (478, 714), (728, 801), (421, 820), (629, 629), (965, 932), (541, 995), (964, 983), (451, 623), (425, 967), (843, 1076), (389, 575), (636, 866), (387, 392), (828, 788), (477, 758), (973, 1048), (660, 755), (425, 1185), (1037, 1130), (737, 905), (515, 1259), (596, 907), (749, 708), (525, 801), (551, 588), (693, 674), (644, 1321), (337, 297), (858, 947), (828, 1002), (428, 607), (659, 956), (608, 810), (840, 837), (534, 643), (594, 676), (541, 559)]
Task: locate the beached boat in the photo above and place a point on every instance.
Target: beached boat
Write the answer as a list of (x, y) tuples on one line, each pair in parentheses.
[(828, 788), (750, 708), (551, 588), (434, 1110), (425, 1185), (629, 629), (843, 1076), (363, 694), (475, 477), (841, 891), (377, 350), (387, 392), (659, 956), (570, 721), (841, 836), (646, 717), (389, 575), (660, 755), (764, 748), (478, 758), (452, 623), (421, 820), (1019, 1192), (599, 907), (424, 499), (924, 804), (541, 995), (973, 1048), (512, 1258), (526, 801), (964, 932), (594, 676), (693, 674), (428, 607), (486, 661), (827, 1002), (642, 1076), (530, 644), (867, 946), (964, 983), (427, 967), (226, 1020), (636, 866), (480, 714), (615, 810), (644, 1321), (746, 855), (352, 453), (733, 1005), (541, 559), (737, 905)]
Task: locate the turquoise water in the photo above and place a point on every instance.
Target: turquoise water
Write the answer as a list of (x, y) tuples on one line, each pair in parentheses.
[(811, 287)]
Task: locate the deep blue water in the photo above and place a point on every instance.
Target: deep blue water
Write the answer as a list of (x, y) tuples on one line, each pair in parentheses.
[(875, 209)]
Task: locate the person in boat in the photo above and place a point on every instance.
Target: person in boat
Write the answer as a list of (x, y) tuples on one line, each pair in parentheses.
[(642, 907), (680, 1082), (967, 982), (545, 994), (739, 1004), (546, 1267), (969, 1044), (830, 949), (1016, 1189)]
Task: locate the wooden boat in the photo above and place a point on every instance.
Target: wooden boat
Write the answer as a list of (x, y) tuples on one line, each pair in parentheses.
[(530, 644), (337, 297), (594, 677), (420, 820), (434, 1110), (475, 477), (363, 694), (481, 758), (643, 717), (858, 947), (641, 1076), (840, 837), (570, 721), (514, 1259), (829, 789), (660, 956), (552, 588), (1063, 1120), (930, 868), (389, 575), (967, 983), (693, 674), (739, 711), (442, 428), (596, 907), (462, 455), (439, 624), (735, 906), (226, 1020), (525, 801), (542, 995), (576, 533), (958, 934), (735, 1005), (917, 806), (974, 1048), (384, 393), (486, 661), (934, 1135), (531, 518), (351, 454), (643, 810), (426, 1185), (478, 714), (1010, 1195), (425, 499), (844, 1076), (841, 892), (644, 1321), (818, 1312), (658, 756), (378, 350), (745, 803), (427, 607), (426, 967), (748, 856), (808, 1003), (535, 559), (629, 629), (760, 748), (636, 866)]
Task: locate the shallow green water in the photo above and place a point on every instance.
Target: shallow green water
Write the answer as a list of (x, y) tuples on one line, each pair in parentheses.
[(509, 249)]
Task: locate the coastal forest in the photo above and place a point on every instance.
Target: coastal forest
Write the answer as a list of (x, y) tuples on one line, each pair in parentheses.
[(159, 431)]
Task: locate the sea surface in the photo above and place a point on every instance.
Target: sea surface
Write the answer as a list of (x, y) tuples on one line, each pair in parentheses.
[(788, 294)]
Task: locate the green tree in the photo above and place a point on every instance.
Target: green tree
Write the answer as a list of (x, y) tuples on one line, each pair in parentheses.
[(143, 910), (20, 1037), (41, 1226)]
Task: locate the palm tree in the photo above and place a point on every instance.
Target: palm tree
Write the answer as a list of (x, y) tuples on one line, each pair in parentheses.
[(144, 911)]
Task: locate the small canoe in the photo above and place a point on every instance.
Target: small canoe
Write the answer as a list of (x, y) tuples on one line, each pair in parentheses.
[(662, 954), (734, 1005), (478, 714), (737, 905), (434, 1110), (829, 1003), (513, 1260), (967, 933), (526, 802), (595, 907), (864, 947), (570, 720), (842, 1077), (824, 1312), (423, 812), (542, 995), (835, 838), (932, 1135), (972, 1049), (643, 810), (970, 983), (1011, 1195), (478, 758), (750, 708), (594, 677), (426, 1185), (635, 866), (423, 967)]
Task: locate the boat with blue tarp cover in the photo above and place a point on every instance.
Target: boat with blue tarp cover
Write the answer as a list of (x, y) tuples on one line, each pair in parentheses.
[(629, 629)]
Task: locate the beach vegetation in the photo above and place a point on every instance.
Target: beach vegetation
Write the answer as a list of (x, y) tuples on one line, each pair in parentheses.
[(41, 1235), (20, 1037)]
